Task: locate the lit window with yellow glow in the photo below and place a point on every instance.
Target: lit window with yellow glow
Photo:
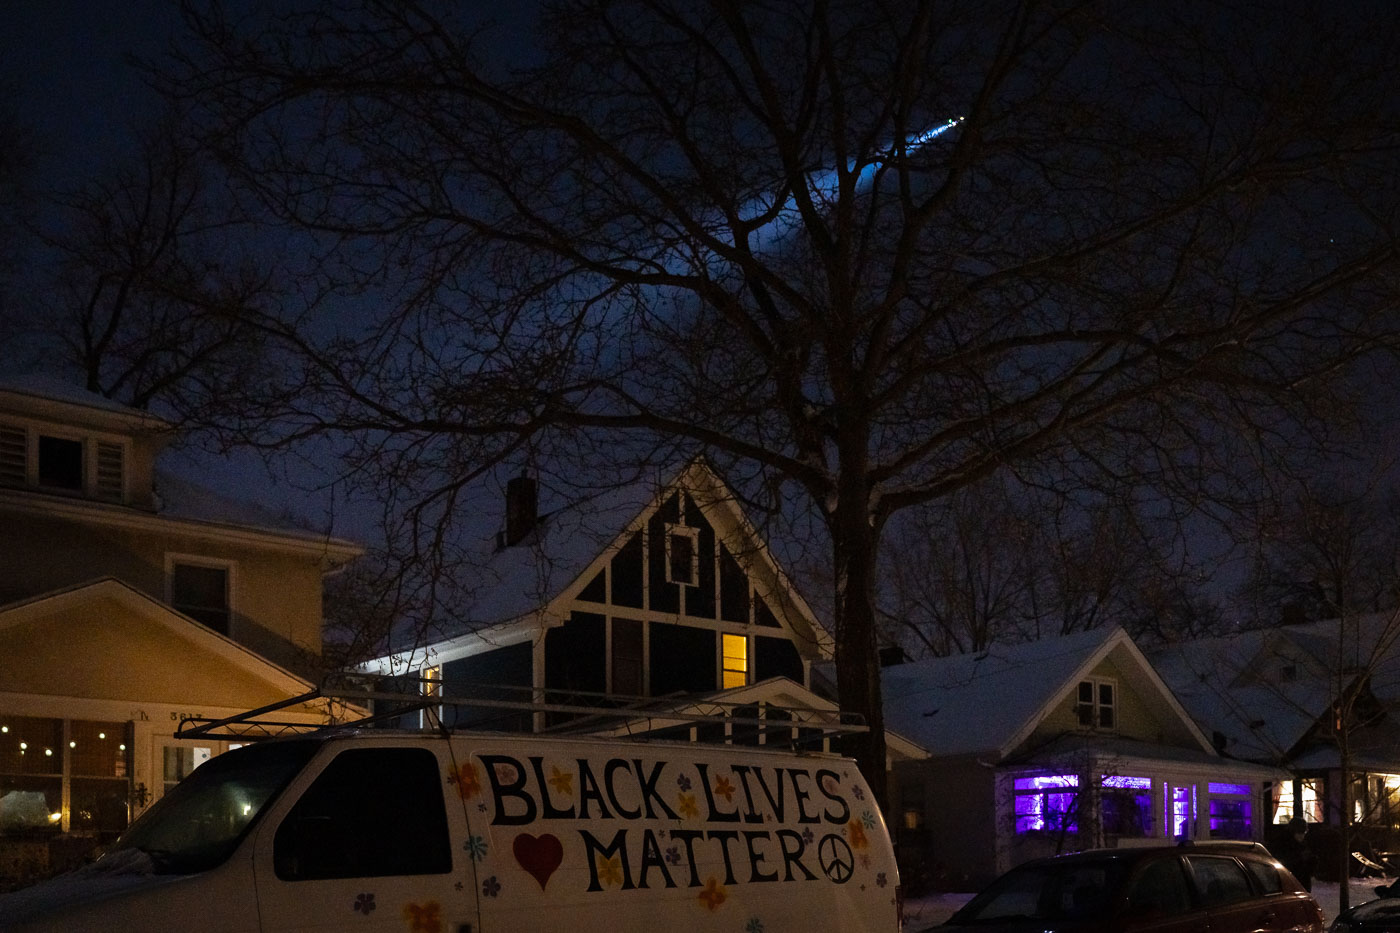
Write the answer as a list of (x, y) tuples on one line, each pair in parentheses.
[(735, 649)]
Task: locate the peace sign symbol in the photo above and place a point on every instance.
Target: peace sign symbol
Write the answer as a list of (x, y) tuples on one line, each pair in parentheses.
[(837, 861)]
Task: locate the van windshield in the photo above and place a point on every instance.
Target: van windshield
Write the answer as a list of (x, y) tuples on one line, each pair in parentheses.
[(199, 822)]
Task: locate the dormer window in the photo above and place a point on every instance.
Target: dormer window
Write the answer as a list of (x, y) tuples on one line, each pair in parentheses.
[(682, 554), (1096, 705), (60, 463), (63, 463)]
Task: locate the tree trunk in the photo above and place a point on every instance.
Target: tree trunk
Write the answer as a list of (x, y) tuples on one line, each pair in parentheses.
[(855, 542)]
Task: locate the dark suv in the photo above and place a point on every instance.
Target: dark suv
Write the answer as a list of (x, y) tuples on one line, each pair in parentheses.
[(1210, 888)]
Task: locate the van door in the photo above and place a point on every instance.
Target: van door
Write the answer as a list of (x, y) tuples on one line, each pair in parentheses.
[(365, 845)]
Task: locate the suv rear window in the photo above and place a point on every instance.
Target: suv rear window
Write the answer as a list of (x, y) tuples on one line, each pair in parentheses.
[(1219, 880), (1266, 875)]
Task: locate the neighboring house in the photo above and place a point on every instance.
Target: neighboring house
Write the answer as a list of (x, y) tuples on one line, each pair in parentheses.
[(127, 602), (647, 591), (1270, 695), (1056, 745)]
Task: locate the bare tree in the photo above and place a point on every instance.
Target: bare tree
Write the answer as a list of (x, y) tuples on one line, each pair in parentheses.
[(1327, 549), (997, 563), (879, 251), (16, 198), (152, 291), (961, 572)]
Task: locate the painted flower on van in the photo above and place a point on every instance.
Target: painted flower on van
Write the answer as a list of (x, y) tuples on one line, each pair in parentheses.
[(423, 918), (491, 887), (868, 819), (685, 803), (724, 788), (856, 832), (673, 855), (364, 904), (562, 781), (475, 847), (714, 894), (860, 794), (881, 880), (754, 925), (683, 782), (609, 869), (468, 784)]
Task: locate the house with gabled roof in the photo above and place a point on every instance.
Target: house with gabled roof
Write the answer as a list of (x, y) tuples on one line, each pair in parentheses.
[(1051, 746), (1272, 695), (129, 600), (650, 590)]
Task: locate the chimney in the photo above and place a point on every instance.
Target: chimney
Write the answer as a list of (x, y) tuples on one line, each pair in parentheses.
[(522, 504)]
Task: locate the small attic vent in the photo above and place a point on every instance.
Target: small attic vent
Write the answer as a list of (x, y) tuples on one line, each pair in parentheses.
[(13, 456), (110, 472)]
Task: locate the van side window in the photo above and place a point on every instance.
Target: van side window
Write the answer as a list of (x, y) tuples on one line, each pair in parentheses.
[(372, 812)]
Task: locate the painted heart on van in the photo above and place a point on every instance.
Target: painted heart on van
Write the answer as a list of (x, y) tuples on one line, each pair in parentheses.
[(539, 855)]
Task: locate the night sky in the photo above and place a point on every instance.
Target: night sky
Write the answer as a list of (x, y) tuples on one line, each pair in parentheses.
[(67, 61)]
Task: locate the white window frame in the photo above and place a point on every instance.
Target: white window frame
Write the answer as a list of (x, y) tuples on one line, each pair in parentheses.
[(229, 567), (1096, 706), (34, 432), (675, 530), (748, 658), (36, 438)]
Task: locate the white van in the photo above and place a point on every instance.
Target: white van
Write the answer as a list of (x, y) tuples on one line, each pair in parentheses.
[(368, 830)]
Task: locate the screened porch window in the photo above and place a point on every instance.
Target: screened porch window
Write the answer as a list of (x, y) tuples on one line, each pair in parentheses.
[(1047, 803), (1231, 811), (1126, 806)]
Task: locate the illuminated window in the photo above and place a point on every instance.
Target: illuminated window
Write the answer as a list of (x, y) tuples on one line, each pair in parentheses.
[(44, 762), (1286, 805), (1047, 803), (1095, 706), (1181, 812), (201, 591), (432, 687), (179, 761), (735, 650), (682, 554)]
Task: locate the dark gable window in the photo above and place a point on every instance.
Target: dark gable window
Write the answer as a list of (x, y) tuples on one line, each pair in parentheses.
[(682, 558), (60, 463), (201, 592)]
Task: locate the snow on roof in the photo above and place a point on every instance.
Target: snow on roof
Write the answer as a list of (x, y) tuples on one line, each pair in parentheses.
[(180, 498), (52, 388), (1264, 689), (969, 703), (511, 582)]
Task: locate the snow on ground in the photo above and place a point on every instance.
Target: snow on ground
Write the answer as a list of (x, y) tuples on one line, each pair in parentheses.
[(924, 913)]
